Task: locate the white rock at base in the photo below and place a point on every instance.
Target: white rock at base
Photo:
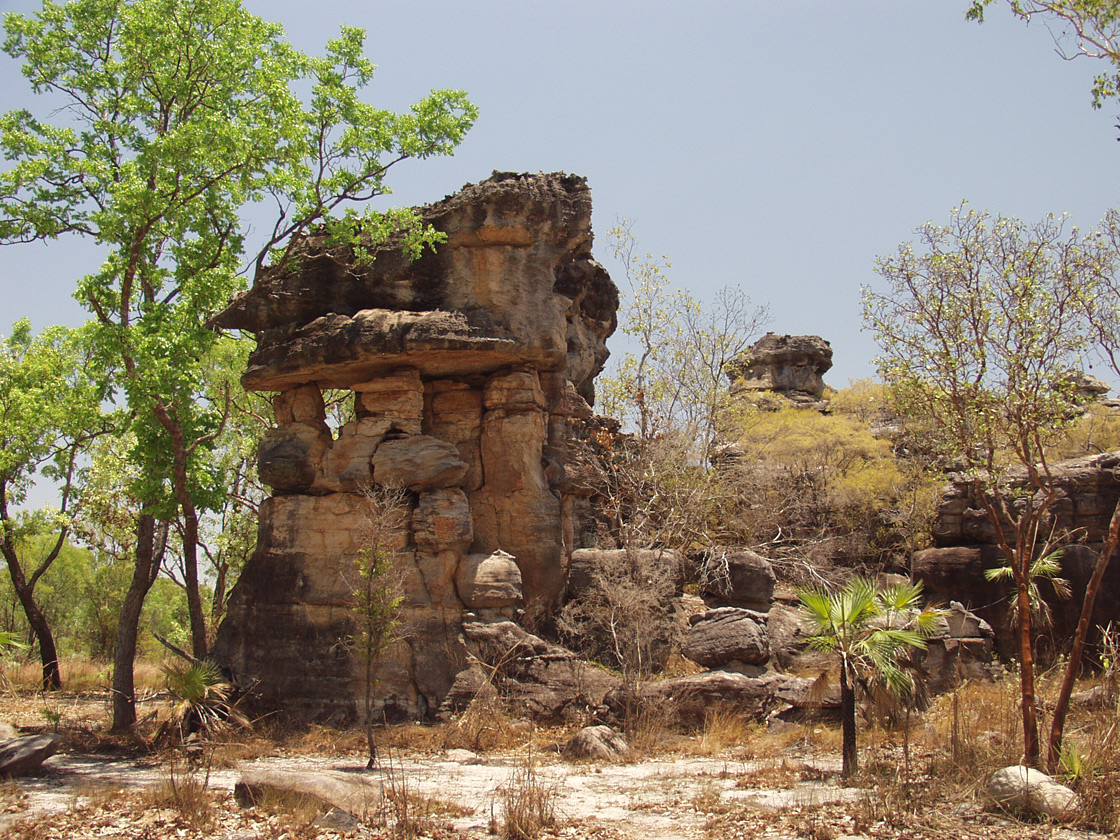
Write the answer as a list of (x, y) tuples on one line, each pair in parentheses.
[(1020, 788)]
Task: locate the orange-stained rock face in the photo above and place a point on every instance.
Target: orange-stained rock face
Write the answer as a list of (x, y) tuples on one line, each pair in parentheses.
[(472, 370)]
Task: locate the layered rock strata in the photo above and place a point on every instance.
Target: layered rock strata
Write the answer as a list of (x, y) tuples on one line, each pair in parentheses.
[(470, 372), (790, 365), (966, 546)]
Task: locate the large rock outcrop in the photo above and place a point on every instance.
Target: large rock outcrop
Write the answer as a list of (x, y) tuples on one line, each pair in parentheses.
[(966, 545), (472, 373)]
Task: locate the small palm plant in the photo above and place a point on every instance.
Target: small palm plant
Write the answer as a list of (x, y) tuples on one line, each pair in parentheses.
[(201, 699), (869, 630), (1048, 566)]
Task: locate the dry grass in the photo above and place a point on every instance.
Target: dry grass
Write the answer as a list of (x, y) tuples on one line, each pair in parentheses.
[(293, 809), (528, 805), (79, 675), (485, 726), (724, 730), (189, 795), (780, 775)]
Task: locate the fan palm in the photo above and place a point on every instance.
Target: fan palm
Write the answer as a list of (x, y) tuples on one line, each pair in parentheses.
[(201, 699), (869, 630)]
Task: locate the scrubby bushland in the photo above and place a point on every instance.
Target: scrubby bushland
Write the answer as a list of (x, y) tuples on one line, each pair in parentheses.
[(829, 488)]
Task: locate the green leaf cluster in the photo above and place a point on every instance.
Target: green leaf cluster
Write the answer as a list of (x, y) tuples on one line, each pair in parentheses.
[(870, 629)]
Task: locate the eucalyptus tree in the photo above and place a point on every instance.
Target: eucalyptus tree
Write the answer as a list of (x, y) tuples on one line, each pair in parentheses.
[(982, 330), (176, 115), (1081, 28), (49, 415)]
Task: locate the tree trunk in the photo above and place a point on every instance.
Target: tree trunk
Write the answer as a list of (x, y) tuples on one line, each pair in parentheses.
[(1073, 668), (48, 653), (181, 487), (25, 591), (149, 555), (190, 578), (848, 721), (1031, 748)]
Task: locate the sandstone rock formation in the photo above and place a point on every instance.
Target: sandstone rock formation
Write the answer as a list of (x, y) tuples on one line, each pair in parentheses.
[(965, 546), (737, 577), (472, 372), (790, 365), (727, 637)]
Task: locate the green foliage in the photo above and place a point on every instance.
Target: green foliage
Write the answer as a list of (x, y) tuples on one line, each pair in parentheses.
[(178, 114), (1088, 28), (1047, 567), (833, 479), (81, 596), (49, 405), (980, 331), (673, 383), (377, 592), (869, 630), (201, 699)]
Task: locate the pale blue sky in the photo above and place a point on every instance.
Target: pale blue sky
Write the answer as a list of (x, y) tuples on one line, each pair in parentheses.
[(775, 146)]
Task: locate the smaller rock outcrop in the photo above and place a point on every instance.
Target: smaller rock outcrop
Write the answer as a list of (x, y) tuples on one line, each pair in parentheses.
[(547, 681), (345, 792), (727, 637), (737, 577), (790, 365), (25, 755)]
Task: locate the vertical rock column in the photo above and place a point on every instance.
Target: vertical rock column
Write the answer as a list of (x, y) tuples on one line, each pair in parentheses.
[(515, 510)]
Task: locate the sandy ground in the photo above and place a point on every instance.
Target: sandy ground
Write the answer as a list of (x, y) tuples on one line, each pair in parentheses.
[(650, 799), (661, 799)]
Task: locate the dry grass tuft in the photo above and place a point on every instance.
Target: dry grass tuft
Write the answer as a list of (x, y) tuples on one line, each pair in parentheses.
[(528, 805), (723, 730), (649, 728), (294, 809), (485, 726), (187, 792), (405, 813)]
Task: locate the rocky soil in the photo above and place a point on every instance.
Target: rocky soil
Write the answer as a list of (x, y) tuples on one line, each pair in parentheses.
[(790, 793)]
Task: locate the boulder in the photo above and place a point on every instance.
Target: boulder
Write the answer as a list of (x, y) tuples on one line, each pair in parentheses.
[(290, 457), (793, 365), (785, 628), (489, 581), (23, 756), (963, 649), (418, 462), (1028, 791), (727, 635), (597, 743), (348, 792), (737, 578)]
